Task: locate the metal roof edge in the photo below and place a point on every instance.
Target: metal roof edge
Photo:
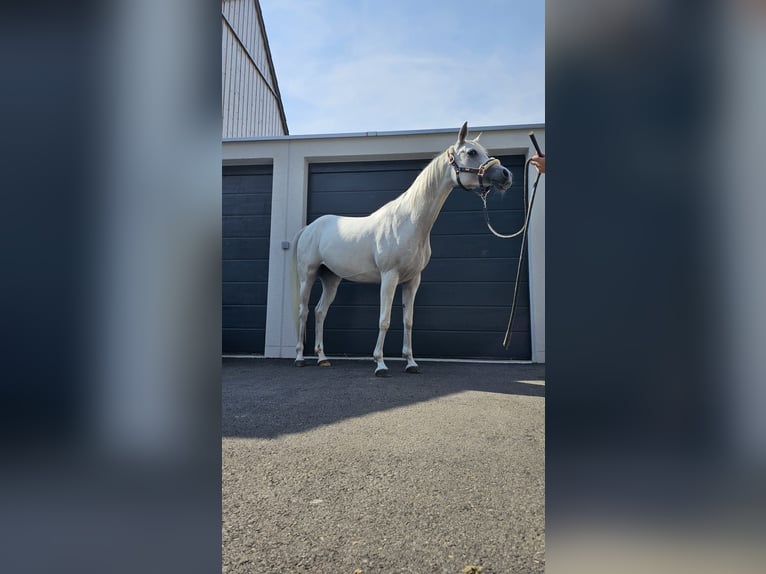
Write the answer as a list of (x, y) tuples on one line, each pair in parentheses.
[(272, 69), (384, 133)]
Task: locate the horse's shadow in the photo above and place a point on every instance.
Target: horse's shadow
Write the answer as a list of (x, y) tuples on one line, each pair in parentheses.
[(267, 398)]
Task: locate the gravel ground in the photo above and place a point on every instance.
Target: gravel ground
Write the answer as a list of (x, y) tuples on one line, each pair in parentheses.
[(332, 470)]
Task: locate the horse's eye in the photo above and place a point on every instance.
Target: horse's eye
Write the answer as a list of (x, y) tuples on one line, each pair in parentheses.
[(471, 152)]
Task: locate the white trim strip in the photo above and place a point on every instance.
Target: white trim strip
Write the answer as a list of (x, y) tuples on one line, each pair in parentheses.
[(294, 137), (419, 360)]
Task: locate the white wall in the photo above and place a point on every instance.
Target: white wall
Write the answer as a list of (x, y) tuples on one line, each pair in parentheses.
[(291, 156)]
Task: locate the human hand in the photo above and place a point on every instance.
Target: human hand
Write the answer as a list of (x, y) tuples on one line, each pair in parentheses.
[(538, 162)]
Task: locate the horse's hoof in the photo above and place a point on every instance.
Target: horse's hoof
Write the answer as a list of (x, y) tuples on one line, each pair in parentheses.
[(382, 373), (413, 370), (300, 363), (324, 363)]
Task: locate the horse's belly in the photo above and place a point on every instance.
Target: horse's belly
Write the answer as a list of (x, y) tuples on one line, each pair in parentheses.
[(351, 264), (353, 273)]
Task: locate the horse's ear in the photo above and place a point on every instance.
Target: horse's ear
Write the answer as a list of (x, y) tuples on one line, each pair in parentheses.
[(462, 133), (476, 139)]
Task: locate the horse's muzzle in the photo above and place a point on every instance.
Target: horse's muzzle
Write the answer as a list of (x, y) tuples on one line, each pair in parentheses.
[(500, 177)]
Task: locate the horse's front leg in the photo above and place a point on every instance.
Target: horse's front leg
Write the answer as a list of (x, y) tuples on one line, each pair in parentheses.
[(408, 302), (388, 283)]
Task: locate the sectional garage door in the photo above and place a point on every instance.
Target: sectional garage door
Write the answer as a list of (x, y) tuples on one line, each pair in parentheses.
[(246, 226), (462, 306)]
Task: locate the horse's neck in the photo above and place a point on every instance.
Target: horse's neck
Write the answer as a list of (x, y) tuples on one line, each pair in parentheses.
[(424, 199)]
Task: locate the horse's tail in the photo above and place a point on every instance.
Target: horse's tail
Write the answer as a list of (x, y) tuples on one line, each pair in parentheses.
[(296, 285)]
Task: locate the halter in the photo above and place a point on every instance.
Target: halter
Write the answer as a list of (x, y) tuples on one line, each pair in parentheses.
[(479, 171)]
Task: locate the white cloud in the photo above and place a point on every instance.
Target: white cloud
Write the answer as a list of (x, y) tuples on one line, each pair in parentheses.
[(380, 74)]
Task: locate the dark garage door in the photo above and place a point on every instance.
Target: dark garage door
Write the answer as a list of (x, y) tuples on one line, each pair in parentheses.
[(246, 225), (463, 304)]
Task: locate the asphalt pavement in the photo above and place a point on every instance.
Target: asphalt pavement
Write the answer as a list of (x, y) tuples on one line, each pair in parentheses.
[(332, 470)]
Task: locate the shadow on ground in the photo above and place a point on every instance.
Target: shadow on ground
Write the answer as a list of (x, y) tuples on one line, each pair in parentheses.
[(266, 398)]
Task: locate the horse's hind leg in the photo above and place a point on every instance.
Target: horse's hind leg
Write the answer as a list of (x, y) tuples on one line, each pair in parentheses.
[(330, 283), (306, 277), (408, 300)]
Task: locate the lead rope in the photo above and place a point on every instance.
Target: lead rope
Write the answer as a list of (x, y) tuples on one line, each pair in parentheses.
[(527, 214), (523, 231), (527, 211)]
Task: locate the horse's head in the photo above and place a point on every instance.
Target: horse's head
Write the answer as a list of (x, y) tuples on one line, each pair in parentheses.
[(472, 167)]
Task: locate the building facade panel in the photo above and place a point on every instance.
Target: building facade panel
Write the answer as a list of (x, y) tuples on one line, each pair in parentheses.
[(246, 231), (251, 102)]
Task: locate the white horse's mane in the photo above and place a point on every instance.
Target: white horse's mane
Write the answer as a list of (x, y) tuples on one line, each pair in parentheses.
[(415, 198), (429, 179)]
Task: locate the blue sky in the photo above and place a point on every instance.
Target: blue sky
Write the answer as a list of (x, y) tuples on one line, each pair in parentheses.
[(358, 65)]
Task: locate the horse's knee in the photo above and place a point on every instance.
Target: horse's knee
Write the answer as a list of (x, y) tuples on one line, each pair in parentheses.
[(384, 324)]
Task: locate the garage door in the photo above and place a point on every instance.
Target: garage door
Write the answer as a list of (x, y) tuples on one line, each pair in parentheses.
[(462, 306), (246, 226)]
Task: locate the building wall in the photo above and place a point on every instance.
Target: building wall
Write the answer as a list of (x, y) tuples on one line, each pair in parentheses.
[(251, 102), (291, 156)]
